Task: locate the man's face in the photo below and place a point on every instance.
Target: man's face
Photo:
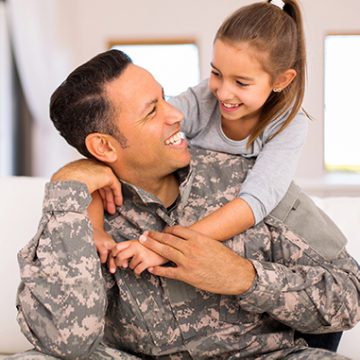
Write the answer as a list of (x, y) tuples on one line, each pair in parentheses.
[(150, 125)]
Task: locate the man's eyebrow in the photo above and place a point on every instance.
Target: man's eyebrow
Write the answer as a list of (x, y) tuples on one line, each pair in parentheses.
[(247, 78)]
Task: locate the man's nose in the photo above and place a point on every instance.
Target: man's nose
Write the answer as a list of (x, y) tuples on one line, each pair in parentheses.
[(173, 115)]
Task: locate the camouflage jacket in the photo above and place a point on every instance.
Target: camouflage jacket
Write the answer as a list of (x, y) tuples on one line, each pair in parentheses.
[(67, 303)]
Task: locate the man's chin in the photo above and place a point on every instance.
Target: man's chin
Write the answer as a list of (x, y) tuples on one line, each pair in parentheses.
[(183, 160)]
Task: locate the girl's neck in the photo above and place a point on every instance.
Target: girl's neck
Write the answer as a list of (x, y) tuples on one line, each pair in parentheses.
[(238, 129)]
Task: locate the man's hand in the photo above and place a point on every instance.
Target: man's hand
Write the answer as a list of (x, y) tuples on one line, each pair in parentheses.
[(96, 176), (136, 256), (201, 261)]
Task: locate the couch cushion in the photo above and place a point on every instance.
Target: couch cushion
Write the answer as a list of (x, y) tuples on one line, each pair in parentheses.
[(20, 209)]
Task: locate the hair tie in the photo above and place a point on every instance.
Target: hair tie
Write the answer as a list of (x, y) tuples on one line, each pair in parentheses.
[(279, 3)]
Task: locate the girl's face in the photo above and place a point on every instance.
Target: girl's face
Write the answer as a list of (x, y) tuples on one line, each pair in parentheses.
[(238, 81)]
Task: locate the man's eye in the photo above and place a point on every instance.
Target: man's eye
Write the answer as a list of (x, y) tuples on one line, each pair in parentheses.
[(153, 111)]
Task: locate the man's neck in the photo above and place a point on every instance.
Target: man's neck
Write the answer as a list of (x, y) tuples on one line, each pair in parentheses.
[(166, 189)]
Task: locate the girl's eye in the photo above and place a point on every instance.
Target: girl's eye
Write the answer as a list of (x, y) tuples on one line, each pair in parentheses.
[(215, 73), (241, 83)]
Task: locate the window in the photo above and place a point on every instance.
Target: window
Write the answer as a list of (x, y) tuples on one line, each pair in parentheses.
[(342, 96), (174, 63)]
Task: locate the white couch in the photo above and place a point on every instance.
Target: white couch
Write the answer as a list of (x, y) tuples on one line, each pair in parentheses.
[(20, 204)]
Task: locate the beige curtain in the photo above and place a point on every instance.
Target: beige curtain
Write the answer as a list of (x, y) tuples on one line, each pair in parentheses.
[(42, 48)]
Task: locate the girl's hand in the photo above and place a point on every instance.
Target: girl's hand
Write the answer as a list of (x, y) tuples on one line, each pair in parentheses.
[(135, 256), (104, 245)]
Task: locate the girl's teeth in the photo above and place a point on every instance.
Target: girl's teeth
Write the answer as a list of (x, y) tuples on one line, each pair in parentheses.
[(229, 106)]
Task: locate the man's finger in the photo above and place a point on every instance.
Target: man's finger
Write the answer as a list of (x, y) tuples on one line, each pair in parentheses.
[(165, 271), (116, 192), (110, 201), (163, 249), (171, 240)]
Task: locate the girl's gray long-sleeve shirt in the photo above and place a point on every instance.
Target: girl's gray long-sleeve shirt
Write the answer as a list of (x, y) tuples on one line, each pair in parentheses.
[(277, 158)]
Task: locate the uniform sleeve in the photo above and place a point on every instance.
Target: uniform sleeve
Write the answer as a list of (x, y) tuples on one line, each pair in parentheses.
[(274, 169), (61, 300), (303, 290)]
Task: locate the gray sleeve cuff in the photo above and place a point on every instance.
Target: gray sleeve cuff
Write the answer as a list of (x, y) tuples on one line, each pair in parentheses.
[(255, 205)]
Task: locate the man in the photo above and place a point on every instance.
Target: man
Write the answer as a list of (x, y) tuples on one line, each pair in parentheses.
[(244, 298)]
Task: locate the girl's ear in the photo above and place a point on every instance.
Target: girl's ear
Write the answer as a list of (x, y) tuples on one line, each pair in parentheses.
[(284, 79), (102, 147)]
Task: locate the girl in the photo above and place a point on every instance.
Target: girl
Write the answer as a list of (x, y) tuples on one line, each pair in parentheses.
[(249, 106)]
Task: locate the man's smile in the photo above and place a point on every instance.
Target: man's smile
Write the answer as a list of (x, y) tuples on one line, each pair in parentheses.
[(175, 139)]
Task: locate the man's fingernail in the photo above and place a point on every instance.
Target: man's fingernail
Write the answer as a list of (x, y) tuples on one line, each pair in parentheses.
[(142, 238)]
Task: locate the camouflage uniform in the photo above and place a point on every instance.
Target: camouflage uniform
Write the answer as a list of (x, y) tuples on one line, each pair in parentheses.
[(69, 306)]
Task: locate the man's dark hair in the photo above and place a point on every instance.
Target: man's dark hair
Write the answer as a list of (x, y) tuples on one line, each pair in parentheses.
[(79, 107)]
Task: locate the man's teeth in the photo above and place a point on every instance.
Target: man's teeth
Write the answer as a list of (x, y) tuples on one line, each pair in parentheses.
[(175, 139), (230, 106)]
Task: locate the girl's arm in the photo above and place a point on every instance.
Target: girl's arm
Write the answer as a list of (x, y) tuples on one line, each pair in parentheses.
[(264, 186), (231, 219), (96, 211), (103, 241)]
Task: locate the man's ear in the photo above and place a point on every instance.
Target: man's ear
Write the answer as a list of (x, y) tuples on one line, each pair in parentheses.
[(102, 147), (284, 79)]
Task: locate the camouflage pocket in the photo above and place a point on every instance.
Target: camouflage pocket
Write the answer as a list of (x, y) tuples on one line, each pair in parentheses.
[(231, 312), (142, 312)]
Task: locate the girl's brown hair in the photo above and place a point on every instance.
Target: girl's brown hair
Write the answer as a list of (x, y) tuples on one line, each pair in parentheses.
[(278, 35)]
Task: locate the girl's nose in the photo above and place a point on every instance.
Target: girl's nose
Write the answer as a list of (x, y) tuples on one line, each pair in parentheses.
[(223, 92)]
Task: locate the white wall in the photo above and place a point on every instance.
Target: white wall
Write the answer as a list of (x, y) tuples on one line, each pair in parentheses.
[(7, 128), (93, 23)]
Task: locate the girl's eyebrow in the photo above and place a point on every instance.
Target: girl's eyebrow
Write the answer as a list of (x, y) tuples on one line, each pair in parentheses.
[(214, 67), (236, 76)]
